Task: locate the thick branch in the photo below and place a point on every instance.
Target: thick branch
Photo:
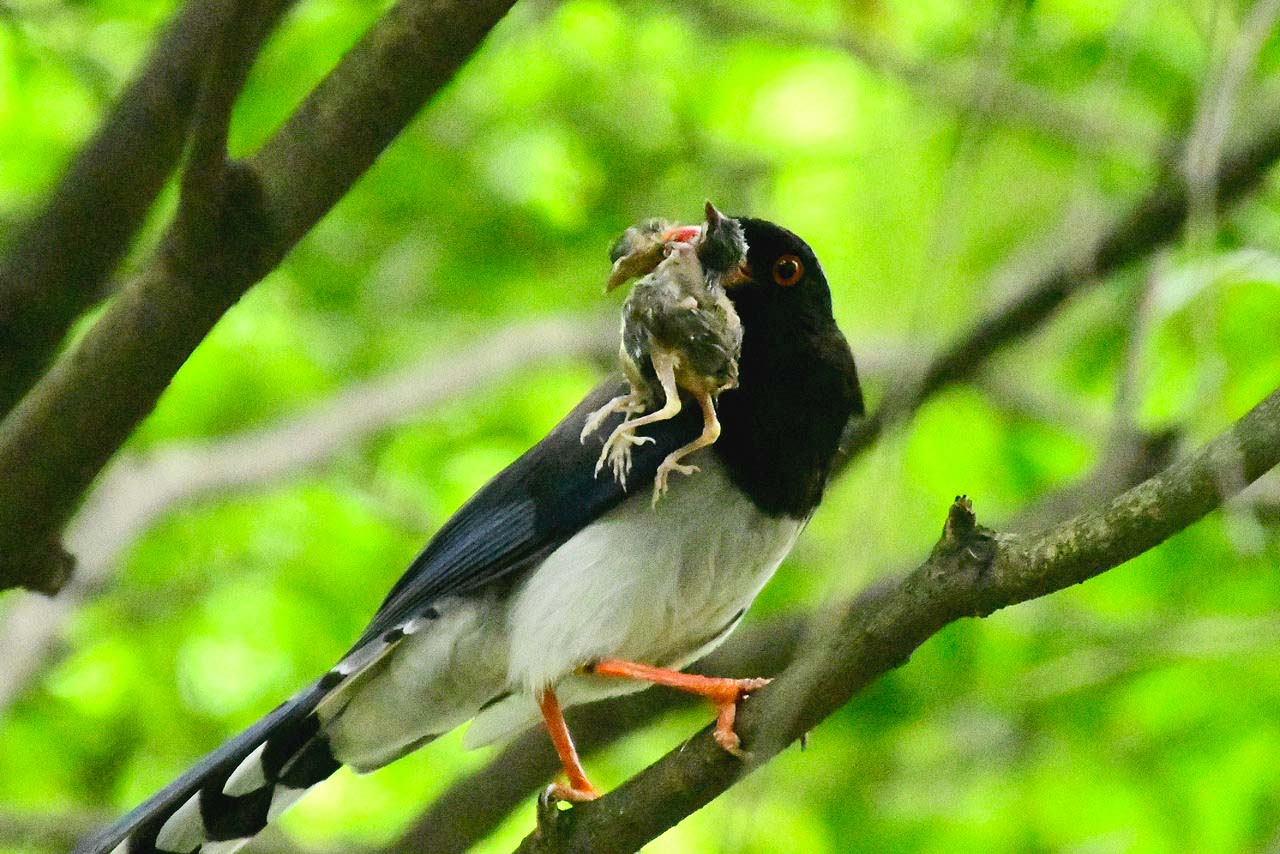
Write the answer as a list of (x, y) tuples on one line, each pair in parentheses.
[(1152, 222), (971, 572), (58, 439), (58, 262)]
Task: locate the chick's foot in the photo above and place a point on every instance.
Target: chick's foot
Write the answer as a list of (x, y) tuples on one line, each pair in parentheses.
[(670, 464), (625, 403)]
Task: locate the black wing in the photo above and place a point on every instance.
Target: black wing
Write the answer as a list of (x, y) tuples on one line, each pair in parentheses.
[(530, 508)]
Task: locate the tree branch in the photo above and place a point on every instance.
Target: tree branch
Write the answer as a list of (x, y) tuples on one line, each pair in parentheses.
[(955, 84), (137, 489), (61, 435), (972, 571), (1153, 221), (58, 261), (205, 178)]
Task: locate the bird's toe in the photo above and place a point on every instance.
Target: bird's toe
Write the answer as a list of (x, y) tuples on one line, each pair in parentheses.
[(728, 739), (564, 792)]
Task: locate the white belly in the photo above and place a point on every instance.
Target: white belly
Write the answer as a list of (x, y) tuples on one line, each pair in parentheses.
[(658, 585), (651, 584)]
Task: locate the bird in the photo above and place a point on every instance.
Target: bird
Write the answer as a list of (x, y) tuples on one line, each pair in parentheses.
[(679, 332), (551, 587)]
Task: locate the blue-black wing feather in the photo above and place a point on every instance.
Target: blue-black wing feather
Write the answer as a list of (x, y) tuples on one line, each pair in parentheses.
[(530, 508)]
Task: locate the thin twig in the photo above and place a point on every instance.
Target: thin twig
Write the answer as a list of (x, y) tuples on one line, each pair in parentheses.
[(1012, 394), (1128, 391), (204, 179), (1217, 102), (1152, 222)]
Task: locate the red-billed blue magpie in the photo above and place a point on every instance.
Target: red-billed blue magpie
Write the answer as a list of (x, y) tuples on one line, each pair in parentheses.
[(553, 586)]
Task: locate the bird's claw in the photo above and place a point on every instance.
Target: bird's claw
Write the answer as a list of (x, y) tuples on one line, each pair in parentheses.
[(664, 471), (746, 686), (548, 809), (592, 425), (729, 741), (626, 404), (726, 700), (558, 791), (617, 452)]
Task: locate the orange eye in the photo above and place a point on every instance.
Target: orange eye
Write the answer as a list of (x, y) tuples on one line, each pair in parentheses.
[(787, 270)]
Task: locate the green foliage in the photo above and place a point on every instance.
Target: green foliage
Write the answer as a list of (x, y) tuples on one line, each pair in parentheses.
[(1135, 713)]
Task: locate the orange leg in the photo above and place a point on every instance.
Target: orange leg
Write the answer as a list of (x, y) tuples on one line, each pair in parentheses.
[(579, 788), (724, 693)]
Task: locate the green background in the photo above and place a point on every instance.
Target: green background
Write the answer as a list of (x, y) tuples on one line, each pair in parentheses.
[(935, 154)]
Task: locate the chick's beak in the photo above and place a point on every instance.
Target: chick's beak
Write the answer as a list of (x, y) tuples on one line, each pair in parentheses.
[(616, 278)]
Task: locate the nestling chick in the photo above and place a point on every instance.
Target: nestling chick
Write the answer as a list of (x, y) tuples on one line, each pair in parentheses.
[(637, 252), (679, 331)]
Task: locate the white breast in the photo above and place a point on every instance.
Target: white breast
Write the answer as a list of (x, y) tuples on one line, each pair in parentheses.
[(656, 585)]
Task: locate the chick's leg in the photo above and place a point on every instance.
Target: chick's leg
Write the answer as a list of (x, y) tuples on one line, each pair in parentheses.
[(579, 787), (617, 449), (631, 402), (710, 432), (724, 693)]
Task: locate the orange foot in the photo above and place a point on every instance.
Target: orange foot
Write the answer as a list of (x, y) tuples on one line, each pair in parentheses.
[(725, 694), (563, 792)]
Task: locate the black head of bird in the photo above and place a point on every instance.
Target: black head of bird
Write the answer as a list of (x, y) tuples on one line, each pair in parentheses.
[(797, 386), (782, 277)]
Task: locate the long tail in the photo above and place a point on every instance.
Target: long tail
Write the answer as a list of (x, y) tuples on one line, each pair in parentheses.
[(234, 792)]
